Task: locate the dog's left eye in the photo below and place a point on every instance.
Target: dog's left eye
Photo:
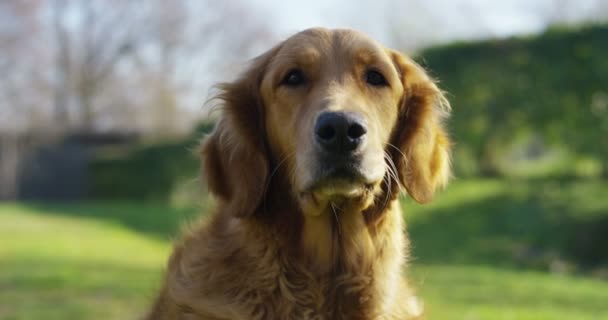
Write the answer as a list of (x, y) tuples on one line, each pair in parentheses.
[(294, 77), (375, 78)]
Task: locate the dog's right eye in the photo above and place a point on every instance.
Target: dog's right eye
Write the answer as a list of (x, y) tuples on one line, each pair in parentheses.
[(375, 78), (293, 78)]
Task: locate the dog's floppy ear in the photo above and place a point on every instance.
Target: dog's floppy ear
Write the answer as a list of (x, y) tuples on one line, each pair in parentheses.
[(423, 158), (235, 155)]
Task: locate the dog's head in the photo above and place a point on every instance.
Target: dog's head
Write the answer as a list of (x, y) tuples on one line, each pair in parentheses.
[(337, 116)]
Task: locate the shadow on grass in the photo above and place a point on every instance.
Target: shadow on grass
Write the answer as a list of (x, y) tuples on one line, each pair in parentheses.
[(153, 219), (532, 224)]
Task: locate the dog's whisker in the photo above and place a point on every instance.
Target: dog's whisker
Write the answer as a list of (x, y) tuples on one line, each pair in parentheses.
[(398, 150), (392, 175), (334, 210), (392, 170), (387, 181), (390, 166), (388, 190)]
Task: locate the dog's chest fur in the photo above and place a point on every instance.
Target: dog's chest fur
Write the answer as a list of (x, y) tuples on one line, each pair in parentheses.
[(264, 280)]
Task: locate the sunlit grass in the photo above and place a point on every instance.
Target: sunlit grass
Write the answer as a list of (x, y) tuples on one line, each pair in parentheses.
[(54, 267), (466, 292)]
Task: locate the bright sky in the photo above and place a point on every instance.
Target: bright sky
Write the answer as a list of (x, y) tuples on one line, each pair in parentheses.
[(430, 21)]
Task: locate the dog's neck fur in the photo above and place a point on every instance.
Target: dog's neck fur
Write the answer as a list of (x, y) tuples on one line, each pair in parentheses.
[(359, 260), (336, 240), (339, 239)]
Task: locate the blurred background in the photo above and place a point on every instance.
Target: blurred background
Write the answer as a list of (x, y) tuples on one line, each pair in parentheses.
[(102, 105)]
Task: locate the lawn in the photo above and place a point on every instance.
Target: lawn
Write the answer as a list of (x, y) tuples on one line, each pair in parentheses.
[(483, 250)]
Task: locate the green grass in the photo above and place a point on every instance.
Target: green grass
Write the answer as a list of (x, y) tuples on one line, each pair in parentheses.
[(477, 292), (105, 260), (520, 223), (62, 267)]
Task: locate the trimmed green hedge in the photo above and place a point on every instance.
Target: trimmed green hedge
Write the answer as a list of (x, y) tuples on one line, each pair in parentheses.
[(147, 172), (520, 100)]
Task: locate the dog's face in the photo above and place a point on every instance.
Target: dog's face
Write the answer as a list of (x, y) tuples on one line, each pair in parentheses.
[(331, 99), (341, 117)]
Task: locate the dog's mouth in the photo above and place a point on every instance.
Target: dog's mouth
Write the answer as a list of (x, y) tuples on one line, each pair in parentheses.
[(343, 180), (350, 183)]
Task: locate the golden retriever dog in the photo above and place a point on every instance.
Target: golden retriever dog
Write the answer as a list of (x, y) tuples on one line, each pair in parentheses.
[(316, 141)]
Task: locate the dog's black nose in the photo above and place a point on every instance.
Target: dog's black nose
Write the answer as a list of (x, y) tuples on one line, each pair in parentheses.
[(340, 132)]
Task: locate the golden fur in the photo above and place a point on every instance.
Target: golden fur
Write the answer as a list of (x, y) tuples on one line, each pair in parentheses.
[(279, 246)]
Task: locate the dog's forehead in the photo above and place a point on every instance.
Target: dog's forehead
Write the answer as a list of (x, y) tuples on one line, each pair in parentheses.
[(316, 42)]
